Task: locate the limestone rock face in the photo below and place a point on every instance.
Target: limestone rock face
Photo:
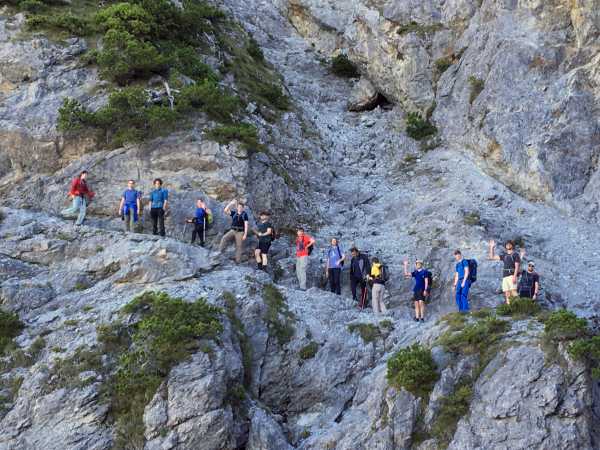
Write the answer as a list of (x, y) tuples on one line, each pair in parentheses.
[(513, 85), (512, 88)]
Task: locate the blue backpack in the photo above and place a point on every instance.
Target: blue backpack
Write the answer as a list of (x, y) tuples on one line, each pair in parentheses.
[(472, 270)]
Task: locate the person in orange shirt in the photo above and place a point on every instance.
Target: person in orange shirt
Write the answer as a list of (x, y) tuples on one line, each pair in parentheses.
[(304, 246)]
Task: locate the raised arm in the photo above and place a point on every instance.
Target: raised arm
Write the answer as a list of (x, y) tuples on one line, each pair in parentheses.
[(492, 256), (227, 209), (406, 274)]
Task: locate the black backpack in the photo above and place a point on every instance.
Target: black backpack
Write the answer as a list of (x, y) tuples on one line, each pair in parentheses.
[(429, 277), (472, 270), (385, 273)]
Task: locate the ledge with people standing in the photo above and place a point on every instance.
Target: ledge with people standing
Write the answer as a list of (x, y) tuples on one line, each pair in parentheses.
[(366, 275)]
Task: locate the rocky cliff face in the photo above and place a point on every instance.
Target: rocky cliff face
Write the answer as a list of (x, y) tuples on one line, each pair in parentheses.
[(512, 88)]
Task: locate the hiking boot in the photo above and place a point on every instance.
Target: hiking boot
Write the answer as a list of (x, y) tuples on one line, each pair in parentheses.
[(416, 319), (422, 320)]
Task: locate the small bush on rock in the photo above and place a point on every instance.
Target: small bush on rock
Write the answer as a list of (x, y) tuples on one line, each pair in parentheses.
[(452, 408), (278, 317), (443, 64), (10, 328), (588, 351), (419, 128), (413, 369), (475, 337), (368, 332), (343, 67), (243, 132), (309, 350), (477, 85), (564, 325), (519, 307)]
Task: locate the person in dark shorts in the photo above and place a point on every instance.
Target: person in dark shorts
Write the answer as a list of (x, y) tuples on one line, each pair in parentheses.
[(264, 232), (529, 284), (420, 288), (510, 272)]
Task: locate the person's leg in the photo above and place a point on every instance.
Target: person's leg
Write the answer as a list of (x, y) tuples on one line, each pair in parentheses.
[(161, 221), (330, 276), (337, 276), (265, 259), (382, 306), (225, 240), (465, 296), (154, 217), (201, 234), (353, 286), (459, 297), (239, 244), (72, 211), (82, 209), (376, 306), (126, 220), (301, 263), (194, 233), (258, 257), (364, 293), (422, 309)]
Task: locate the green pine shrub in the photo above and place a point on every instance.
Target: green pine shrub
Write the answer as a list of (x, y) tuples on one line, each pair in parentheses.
[(343, 67), (419, 128), (413, 369), (519, 308), (309, 350), (564, 325), (10, 328)]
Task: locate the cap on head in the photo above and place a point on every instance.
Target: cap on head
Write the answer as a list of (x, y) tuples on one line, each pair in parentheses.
[(419, 261), (531, 263)]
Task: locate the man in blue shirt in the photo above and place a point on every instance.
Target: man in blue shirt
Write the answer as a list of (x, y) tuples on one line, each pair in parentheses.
[(130, 205), (421, 286), (200, 221), (462, 283), (333, 266), (159, 202)]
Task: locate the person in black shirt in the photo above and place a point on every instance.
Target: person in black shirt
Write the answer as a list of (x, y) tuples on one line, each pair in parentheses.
[(264, 232), (510, 272), (360, 267), (529, 284), (239, 228)]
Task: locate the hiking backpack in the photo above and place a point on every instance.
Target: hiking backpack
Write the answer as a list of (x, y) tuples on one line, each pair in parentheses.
[(385, 273), (208, 220), (429, 277), (472, 270)]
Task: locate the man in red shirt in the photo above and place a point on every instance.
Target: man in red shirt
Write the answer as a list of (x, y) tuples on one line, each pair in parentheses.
[(81, 195), (303, 249)]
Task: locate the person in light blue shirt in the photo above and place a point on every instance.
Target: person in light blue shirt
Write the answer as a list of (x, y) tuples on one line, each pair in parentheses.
[(159, 202), (333, 268)]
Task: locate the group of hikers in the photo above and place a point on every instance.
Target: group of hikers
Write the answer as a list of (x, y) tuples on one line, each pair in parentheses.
[(364, 272)]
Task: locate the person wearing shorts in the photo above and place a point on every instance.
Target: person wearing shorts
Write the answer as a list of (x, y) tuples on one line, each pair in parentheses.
[(421, 286), (510, 271), (264, 232)]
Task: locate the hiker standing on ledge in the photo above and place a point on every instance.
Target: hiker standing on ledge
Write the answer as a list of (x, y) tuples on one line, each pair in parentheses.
[(239, 228), (159, 202), (304, 247), (510, 272), (81, 195)]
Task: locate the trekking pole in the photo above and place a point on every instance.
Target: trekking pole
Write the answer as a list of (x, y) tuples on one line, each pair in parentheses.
[(363, 298), (184, 231), (204, 229)]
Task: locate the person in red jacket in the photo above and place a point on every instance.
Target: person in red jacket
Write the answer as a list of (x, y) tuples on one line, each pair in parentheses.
[(303, 244), (81, 195)]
